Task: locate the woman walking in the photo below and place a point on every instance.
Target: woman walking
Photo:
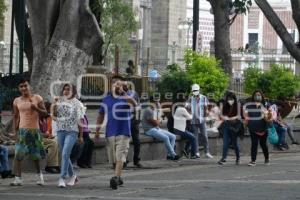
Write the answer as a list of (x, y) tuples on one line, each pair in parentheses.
[(68, 111)]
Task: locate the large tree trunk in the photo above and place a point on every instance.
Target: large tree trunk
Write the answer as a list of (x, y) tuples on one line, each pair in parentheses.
[(65, 35), (221, 10), (279, 27), (28, 49), (296, 15)]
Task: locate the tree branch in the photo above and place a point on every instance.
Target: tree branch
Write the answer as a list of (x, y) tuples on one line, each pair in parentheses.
[(296, 15), (279, 27)]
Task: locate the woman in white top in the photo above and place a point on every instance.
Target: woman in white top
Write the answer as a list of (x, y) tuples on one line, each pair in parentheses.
[(180, 116), (68, 111)]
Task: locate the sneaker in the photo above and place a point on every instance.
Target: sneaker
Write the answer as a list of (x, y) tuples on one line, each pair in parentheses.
[(195, 157), (7, 174), (51, 170), (138, 164), (114, 183), (175, 158), (61, 183), (295, 142), (267, 162), (72, 180), (120, 181), (208, 155), (17, 182), (169, 157), (237, 162), (252, 164), (184, 153), (222, 162), (40, 180)]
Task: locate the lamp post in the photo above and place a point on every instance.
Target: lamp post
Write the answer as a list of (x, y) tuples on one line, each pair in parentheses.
[(196, 5), (186, 25)]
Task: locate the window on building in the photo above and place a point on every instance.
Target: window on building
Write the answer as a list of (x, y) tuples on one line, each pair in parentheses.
[(252, 39)]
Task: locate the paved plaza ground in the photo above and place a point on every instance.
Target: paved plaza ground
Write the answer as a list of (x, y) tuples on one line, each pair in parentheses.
[(166, 180)]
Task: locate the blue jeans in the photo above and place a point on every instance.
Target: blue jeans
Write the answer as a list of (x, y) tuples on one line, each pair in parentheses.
[(4, 166), (200, 130), (280, 132), (66, 141), (168, 138), (227, 137), (191, 140)]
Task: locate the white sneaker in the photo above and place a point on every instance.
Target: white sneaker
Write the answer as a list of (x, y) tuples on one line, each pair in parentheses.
[(40, 180), (61, 183), (17, 182), (208, 155), (72, 180)]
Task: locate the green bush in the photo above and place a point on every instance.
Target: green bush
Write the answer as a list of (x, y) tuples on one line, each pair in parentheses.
[(174, 81), (277, 83), (206, 71)]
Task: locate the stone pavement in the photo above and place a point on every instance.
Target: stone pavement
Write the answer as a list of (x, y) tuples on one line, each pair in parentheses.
[(165, 180)]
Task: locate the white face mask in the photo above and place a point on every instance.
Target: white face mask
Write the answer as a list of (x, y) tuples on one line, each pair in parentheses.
[(196, 93), (231, 102)]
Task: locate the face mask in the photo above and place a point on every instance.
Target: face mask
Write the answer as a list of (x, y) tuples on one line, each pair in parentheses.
[(258, 98), (196, 93), (230, 102)]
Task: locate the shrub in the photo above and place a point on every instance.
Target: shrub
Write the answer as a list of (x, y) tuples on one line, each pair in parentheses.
[(206, 71), (277, 83)]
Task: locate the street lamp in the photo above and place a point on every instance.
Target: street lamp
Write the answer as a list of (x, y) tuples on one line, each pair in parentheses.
[(186, 25)]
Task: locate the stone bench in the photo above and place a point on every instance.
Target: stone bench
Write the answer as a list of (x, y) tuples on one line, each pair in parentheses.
[(152, 149)]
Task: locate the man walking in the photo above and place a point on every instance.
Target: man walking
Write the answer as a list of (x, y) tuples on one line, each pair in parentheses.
[(117, 106), (26, 111)]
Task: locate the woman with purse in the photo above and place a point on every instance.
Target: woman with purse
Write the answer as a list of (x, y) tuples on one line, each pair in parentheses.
[(231, 126), (257, 118)]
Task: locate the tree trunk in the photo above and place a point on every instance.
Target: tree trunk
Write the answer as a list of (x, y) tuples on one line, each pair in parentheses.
[(221, 10), (65, 35), (279, 27), (296, 15), (27, 40)]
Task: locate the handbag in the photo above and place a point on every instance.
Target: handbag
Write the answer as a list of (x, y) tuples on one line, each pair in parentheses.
[(272, 135)]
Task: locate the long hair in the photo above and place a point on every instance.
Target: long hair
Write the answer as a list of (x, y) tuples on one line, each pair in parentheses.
[(263, 100), (227, 108), (73, 89)]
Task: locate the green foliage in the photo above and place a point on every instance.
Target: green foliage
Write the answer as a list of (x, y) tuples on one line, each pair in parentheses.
[(277, 83), (117, 22), (3, 8), (242, 6), (206, 71), (175, 81), (173, 68)]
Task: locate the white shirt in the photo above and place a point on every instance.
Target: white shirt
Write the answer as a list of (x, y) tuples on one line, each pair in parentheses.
[(180, 117)]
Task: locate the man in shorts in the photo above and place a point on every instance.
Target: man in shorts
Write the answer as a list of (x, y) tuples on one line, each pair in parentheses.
[(26, 110), (117, 105)]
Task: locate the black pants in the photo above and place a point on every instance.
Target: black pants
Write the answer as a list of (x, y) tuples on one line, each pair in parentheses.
[(135, 134), (254, 145), (87, 151)]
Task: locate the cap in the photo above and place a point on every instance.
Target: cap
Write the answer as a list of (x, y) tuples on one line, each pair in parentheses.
[(195, 87)]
